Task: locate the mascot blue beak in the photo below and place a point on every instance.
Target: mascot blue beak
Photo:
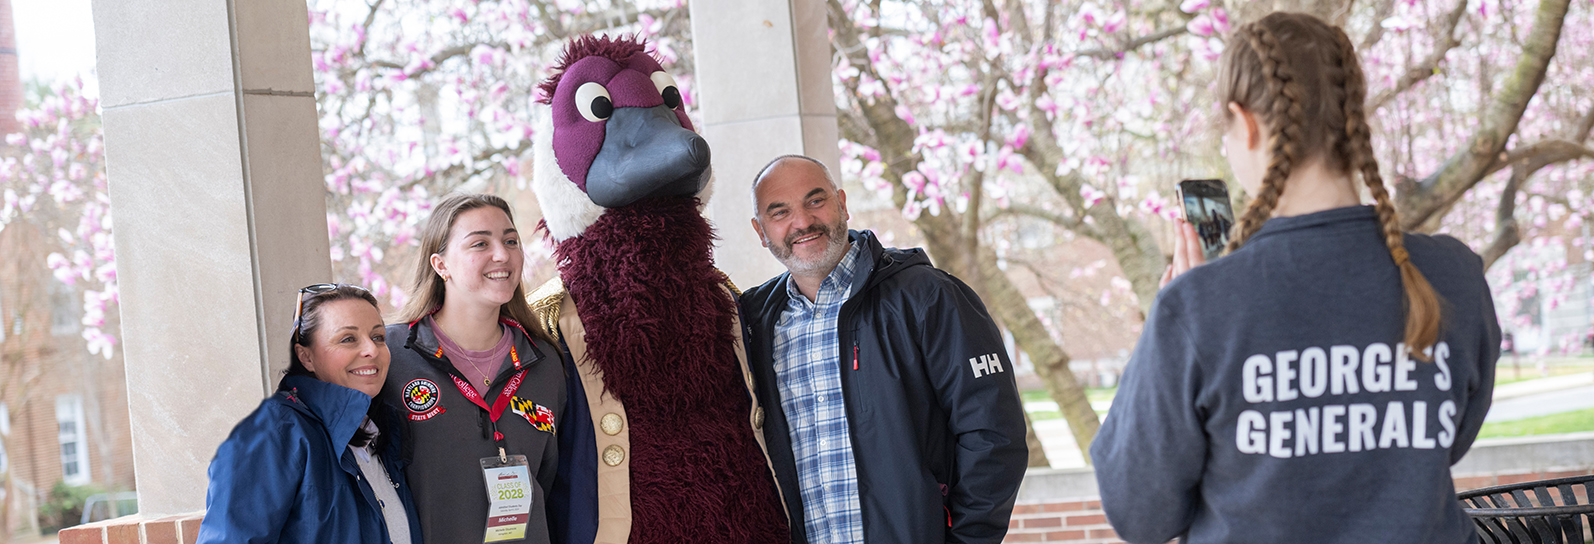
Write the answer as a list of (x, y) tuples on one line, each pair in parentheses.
[(646, 153)]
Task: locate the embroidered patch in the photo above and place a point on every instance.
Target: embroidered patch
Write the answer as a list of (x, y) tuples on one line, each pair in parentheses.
[(540, 417), (420, 396)]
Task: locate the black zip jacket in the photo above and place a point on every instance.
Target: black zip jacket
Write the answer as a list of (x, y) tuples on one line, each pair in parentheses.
[(936, 423), (446, 435)]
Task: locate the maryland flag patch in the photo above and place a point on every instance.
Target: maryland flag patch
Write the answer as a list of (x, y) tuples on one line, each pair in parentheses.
[(540, 417)]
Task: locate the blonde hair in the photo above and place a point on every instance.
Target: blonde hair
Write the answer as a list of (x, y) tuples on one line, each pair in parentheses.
[(427, 291), (1302, 77)]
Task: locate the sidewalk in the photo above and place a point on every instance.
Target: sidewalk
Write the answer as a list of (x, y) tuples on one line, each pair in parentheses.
[(1542, 385)]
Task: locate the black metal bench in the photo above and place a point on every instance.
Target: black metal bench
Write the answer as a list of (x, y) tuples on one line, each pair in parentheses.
[(1543, 512)]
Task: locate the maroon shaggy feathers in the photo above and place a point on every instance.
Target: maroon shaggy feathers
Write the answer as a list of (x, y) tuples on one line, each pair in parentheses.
[(618, 50), (659, 327)]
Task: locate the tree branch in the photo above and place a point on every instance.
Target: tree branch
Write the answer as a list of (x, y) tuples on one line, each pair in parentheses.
[(1377, 32), (1429, 66), (1131, 45), (455, 170), (1072, 223), (1421, 200), (438, 57), (1506, 232), (1539, 155)]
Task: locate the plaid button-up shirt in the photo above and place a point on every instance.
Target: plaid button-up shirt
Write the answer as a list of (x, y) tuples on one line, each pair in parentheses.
[(808, 366)]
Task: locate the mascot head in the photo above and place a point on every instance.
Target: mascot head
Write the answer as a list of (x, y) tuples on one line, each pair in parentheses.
[(615, 133)]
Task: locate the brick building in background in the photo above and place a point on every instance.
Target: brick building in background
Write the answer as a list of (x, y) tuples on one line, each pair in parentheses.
[(10, 77), (63, 410)]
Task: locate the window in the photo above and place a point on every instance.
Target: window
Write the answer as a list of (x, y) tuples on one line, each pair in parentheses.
[(5, 429), (64, 309), (74, 450)]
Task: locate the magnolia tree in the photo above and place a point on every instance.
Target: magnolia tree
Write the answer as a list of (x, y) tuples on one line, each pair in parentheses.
[(53, 177), (976, 118), (422, 98)]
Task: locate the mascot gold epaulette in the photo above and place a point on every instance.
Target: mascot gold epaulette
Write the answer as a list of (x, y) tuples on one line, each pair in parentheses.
[(546, 300), (545, 303)]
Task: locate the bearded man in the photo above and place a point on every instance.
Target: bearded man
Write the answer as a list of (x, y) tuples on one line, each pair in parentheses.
[(898, 419)]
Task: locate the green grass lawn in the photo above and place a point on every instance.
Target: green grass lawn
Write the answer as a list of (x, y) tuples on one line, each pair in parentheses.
[(1093, 394), (1569, 422)]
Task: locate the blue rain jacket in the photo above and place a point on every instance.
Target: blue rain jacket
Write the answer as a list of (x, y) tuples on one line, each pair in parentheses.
[(286, 475)]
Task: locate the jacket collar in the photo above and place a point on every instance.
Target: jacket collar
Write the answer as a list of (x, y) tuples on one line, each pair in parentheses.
[(875, 264), (1353, 217), (341, 410), (423, 340)]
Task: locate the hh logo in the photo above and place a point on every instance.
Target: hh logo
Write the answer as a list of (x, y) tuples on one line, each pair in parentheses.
[(985, 365)]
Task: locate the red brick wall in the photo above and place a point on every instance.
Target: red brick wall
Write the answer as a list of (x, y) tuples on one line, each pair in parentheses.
[(1061, 521), (10, 78), (1080, 521), (36, 365), (180, 529)]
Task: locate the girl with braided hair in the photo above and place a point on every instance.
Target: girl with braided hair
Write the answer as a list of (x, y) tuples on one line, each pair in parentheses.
[(1355, 362)]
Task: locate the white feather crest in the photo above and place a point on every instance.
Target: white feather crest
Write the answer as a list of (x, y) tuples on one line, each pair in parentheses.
[(565, 207)]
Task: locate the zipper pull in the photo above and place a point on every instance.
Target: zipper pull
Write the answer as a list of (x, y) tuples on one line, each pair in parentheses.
[(855, 356)]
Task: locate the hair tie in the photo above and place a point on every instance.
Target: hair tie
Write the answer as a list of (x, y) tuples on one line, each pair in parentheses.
[(1400, 255)]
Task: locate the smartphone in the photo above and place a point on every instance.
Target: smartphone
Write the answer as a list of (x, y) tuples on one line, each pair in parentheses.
[(1206, 207)]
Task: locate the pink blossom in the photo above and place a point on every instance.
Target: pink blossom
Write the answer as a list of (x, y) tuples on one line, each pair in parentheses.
[(905, 114), (1091, 195), (1220, 21), (1020, 136), (1115, 23)]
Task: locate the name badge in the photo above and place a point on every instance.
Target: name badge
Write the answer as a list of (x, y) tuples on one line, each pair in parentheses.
[(509, 494)]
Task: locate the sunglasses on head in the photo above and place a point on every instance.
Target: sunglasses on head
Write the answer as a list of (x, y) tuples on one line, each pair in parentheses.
[(313, 290)]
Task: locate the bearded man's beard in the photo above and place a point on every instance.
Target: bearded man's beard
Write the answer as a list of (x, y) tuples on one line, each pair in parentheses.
[(835, 249)]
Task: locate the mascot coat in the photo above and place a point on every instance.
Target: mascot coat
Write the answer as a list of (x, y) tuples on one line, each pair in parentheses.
[(651, 336)]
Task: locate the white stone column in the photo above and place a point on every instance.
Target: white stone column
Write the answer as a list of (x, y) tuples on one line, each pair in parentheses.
[(763, 76), (214, 162)]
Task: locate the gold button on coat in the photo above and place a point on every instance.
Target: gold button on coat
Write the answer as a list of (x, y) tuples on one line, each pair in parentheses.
[(612, 424), (758, 417), (613, 455)]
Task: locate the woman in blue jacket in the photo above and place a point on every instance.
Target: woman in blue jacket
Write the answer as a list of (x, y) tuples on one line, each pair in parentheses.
[(318, 462), (1315, 384)]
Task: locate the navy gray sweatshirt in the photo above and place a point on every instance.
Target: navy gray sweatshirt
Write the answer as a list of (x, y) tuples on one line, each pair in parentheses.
[(1271, 399)]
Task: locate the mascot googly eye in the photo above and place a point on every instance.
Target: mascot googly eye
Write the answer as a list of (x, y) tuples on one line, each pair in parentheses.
[(615, 133)]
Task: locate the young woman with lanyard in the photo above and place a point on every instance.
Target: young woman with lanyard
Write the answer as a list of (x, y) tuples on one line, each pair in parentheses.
[(1315, 384), (478, 387)]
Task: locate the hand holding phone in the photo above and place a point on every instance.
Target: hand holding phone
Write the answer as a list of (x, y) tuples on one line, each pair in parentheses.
[(1186, 252), (1206, 207), (1204, 230)]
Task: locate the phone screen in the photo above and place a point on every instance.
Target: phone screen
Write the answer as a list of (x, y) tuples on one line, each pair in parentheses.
[(1206, 207)]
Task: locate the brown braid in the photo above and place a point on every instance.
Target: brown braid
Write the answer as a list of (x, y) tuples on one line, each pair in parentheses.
[(1284, 145), (1422, 303)]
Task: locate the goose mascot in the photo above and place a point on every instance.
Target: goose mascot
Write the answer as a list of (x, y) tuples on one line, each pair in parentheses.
[(662, 440)]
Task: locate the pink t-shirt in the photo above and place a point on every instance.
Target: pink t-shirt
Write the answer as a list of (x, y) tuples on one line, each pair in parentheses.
[(477, 366)]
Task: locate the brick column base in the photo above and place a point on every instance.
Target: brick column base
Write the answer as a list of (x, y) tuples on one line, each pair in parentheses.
[(136, 529)]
